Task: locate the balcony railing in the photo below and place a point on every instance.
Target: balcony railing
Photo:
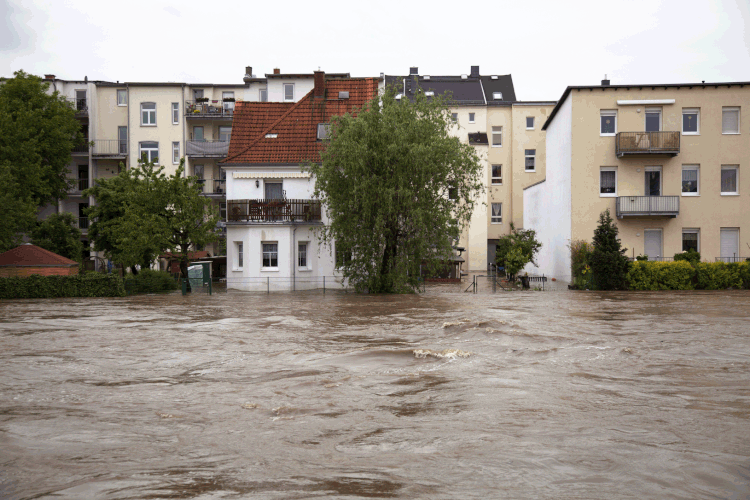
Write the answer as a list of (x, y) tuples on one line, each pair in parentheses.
[(732, 259), (648, 143), (83, 223), (269, 210), (214, 186), (207, 149), (82, 148), (79, 185), (643, 206), (79, 105), (210, 109), (110, 147)]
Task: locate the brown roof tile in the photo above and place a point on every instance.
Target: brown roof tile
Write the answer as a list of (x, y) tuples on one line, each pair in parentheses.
[(32, 255)]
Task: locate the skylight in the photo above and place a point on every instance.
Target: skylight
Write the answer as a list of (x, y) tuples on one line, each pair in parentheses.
[(497, 95), (429, 93), (271, 136), (493, 77), (324, 130)]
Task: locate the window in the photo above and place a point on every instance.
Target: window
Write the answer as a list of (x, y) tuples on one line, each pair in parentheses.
[(198, 94), (225, 134), (302, 255), (324, 131), (498, 96), (497, 213), (454, 117), (175, 153), (343, 256), (228, 105), (608, 181), (263, 95), (729, 244), (122, 139), (531, 160), (471, 117), (148, 113), (691, 121), (198, 171), (690, 240), (223, 210), (690, 180), (730, 120), (150, 149), (288, 91), (497, 174), (270, 255), (240, 257), (198, 134), (529, 123), (729, 180), (653, 119), (175, 113), (452, 191), (497, 137), (122, 97), (608, 122)]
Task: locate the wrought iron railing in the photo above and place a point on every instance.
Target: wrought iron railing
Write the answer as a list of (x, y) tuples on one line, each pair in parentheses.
[(213, 186), (83, 223), (638, 206), (78, 185), (82, 148), (648, 143), (211, 108), (110, 147), (270, 210), (732, 259), (207, 149)]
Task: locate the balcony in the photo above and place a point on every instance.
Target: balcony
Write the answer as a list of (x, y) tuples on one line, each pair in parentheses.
[(648, 143), (83, 223), (214, 187), (79, 186), (80, 106), (110, 148), (210, 110), (207, 149), (648, 206), (270, 210), (734, 258), (81, 149)]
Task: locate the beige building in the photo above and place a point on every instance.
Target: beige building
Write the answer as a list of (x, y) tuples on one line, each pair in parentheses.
[(666, 160)]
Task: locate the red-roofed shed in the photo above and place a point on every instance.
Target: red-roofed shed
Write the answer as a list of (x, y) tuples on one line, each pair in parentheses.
[(29, 259)]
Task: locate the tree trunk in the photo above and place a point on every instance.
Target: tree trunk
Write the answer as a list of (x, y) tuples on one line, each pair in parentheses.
[(184, 269)]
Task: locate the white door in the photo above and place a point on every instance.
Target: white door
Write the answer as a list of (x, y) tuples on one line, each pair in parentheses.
[(652, 243), (730, 243)]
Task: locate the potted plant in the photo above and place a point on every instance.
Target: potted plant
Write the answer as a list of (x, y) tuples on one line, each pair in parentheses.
[(228, 99), (202, 99)]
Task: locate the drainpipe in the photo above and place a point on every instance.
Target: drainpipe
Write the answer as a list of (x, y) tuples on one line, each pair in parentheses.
[(181, 105), (130, 156), (294, 267)]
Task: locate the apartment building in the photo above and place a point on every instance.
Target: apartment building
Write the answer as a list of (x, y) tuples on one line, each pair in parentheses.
[(508, 137), (665, 159)]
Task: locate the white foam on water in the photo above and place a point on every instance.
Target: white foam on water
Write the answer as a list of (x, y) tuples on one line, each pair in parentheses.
[(444, 354)]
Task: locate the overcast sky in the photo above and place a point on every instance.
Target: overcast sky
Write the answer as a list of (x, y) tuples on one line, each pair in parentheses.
[(545, 45)]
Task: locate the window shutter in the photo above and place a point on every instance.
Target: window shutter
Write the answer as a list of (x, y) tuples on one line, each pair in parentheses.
[(730, 120)]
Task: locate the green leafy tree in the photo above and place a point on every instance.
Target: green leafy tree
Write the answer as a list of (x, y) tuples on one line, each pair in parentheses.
[(17, 207), (142, 213), (58, 233), (609, 265), (398, 190), (517, 249)]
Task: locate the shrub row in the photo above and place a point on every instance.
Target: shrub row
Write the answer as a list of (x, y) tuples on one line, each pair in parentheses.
[(681, 275), (148, 281), (41, 287)]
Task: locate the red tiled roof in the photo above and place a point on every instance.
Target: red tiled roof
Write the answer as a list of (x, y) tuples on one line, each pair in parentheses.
[(295, 124), (32, 255)]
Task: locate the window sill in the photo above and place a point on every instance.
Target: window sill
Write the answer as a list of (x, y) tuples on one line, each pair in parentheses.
[(607, 195), (270, 269), (122, 105), (497, 183), (530, 129), (148, 124), (496, 223), (730, 194), (497, 146), (608, 135), (690, 194), (730, 133), (304, 270), (237, 269), (691, 133), (530, 171)]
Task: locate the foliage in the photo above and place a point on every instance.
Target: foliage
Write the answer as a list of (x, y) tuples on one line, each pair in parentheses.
[(648, 275), (18, 209), (691, 256), (580, 269), (720, 275), (522, 240), (142, 212), (608, 262), (150, 281), (42, 287), (385, 179), (641, 258), (58, 233)]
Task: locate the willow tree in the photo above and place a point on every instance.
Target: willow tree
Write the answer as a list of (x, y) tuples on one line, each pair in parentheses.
[(398, 189)]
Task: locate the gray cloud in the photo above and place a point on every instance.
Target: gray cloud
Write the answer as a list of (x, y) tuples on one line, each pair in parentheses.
[(14, 35)]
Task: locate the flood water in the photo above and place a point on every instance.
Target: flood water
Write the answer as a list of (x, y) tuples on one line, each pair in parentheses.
[(440, 395)]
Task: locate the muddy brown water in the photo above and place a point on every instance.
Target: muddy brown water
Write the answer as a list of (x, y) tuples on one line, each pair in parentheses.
[(441, 395)]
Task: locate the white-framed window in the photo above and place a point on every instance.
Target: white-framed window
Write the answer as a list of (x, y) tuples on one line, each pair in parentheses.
[(175, 113), (497, 137), (608, 122), (197, 94), (302, 255), (608, 182), (324, 131), (729, 244), (228, 105), (150, 149), (343, 256), (691, 239), (497, 96), (497, 174), (691, 121), (122, 140), (263, 95), (730, 120), (497, 213), (239, 259), (148, 114), (530, 164), (653, 120), (472, 117), (198, 134), (175, 153), (288, 91), (454, 117), (199, 171), (225, 134), (270, 254), (730, 180), (122, 97), (690, 180), (529, 123)]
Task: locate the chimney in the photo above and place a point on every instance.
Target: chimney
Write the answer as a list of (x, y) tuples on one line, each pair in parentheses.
[(49, 77), (276, 71), (248, 74), (413, 71), (475, 71), (605, 82), (319, 90)]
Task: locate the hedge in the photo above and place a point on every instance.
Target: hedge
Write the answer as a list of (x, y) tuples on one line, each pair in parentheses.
[(681, 275), (721, 275), (43, 287), (148, 281)]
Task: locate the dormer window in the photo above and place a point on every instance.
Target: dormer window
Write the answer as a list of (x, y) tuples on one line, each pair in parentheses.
[(324, 131), (429, 93), (498, 96), (493, 77), (288, 92), (271, 136)]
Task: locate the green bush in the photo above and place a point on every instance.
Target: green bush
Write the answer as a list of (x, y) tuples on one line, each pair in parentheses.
[(607, 260), (148, 281), (642, 258), (647, 275), (691, 256), (43, 287), (721, 275), (580, 270)]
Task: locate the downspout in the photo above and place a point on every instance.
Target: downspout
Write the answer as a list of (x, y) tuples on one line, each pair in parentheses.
[(130, 156), (294, 267), (181, 105)]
